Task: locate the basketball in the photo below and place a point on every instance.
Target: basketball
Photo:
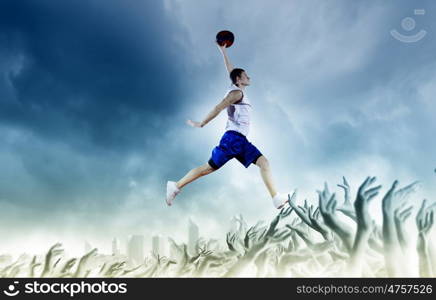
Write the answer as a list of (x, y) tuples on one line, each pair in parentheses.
[(225, 37)]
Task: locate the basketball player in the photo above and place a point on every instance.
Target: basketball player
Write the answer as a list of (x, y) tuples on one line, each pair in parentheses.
[(234, 143)]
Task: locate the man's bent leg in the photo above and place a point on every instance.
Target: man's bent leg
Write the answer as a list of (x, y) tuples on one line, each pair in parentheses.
[(279, 200), (265, 172), (195, 174), (173, 188)]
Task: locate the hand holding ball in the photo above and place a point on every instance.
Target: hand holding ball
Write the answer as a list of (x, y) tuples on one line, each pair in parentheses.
[(225, 37)]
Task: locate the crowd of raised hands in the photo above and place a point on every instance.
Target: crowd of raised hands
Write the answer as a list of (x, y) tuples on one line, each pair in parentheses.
[(331, 239)]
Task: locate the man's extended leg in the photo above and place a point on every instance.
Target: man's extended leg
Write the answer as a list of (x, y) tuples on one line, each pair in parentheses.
[(265, 171), (173, 188), (195, 174)]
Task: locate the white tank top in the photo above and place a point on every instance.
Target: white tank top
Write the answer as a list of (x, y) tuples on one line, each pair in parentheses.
[(239, 113)]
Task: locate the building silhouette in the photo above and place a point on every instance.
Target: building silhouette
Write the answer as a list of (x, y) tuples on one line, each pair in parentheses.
[(158, 245), (116, 247), (193, 235), (135, 248)]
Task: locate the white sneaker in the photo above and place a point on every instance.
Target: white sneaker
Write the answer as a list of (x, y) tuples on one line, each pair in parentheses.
[(172, 192), (280, 200)]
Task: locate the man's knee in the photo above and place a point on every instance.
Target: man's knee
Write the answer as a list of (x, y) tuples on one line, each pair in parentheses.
[(262, 162), (207, 168)]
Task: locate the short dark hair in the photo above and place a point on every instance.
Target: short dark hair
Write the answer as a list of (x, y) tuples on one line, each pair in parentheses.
[(235, 73)]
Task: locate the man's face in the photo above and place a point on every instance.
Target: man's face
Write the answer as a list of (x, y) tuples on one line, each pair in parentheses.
[(244, 79)]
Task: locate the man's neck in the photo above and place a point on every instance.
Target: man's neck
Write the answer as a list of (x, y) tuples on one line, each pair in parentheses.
[(241, 86)]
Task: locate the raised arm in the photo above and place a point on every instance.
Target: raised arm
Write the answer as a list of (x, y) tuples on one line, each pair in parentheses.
[(227, 62), (390, 236), (424, 222), (231, 98), (364, 224), (327, 207)]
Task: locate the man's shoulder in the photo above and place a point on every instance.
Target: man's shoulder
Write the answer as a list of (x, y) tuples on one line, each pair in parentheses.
[(235, 92), (236, 95)]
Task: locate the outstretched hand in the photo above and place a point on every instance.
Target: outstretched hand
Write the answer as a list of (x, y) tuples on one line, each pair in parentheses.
[(327, 207), (81, 270), (347, 207), (194, 124), (53, 252), (33, 264), (424, 222), (364, 195), (424, 219), (400, 216), (222, 48)]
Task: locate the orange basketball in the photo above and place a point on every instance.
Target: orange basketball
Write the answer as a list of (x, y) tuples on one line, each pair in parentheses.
[(225, 37)]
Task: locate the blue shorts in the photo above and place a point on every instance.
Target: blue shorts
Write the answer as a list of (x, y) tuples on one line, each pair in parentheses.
[(234, 145)]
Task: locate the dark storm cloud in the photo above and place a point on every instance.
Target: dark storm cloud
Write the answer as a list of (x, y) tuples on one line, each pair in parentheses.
[(83, 87), (92, 73)]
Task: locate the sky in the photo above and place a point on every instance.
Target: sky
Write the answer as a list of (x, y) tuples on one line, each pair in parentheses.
[(94, 96)]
